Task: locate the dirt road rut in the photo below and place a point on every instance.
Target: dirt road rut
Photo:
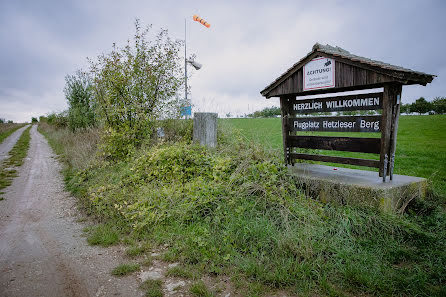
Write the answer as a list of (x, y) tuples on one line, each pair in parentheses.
[(42, 250)]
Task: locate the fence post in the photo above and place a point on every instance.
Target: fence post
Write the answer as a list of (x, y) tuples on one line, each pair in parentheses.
[(205, 128)]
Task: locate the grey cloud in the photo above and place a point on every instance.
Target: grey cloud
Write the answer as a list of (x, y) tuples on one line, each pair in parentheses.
[(249, 43)]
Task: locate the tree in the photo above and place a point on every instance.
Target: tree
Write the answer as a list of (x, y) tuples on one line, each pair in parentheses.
[(136, 85), (439, 105), (79, 94), (34, 120), (405, 108), (421, 106)]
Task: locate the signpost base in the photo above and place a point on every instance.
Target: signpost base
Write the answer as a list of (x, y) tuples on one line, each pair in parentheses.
[(358, 187)]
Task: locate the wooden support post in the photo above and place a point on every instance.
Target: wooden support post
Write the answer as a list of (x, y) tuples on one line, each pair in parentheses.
[(284, 106), (389, 98), (394, 131)]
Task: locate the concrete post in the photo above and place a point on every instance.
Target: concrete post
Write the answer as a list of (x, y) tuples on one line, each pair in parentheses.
[(205, 128)]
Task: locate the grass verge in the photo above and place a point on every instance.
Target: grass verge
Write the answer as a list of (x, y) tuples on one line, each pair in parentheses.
[(16, 155)]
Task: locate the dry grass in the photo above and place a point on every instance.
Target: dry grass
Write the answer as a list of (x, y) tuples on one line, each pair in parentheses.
[(7, 129), (78, 148), (8, 126)]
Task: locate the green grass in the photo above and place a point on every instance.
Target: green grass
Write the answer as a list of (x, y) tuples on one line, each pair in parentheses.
[(125, 269), (199, 289), (421, 145), (180, 271), (8, 129), (103, 235), (16, 156), (135, 251), (153, 288)]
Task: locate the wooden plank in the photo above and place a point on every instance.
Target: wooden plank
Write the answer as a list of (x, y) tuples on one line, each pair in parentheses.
[(284, 104), (336, 124), (335, 159), (370, 101), (348, 144)]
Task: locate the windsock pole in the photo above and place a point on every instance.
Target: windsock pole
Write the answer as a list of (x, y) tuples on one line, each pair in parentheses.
[(185, 65)]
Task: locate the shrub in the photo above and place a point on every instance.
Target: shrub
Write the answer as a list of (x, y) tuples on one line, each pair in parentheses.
[(135, 86), (79, 94)]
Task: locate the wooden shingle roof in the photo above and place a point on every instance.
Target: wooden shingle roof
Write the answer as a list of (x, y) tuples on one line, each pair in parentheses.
[(391, 72)]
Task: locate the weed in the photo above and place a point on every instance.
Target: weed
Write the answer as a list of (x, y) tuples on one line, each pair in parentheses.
[(199, 289), (103, 235), (125, 269), (179, 271), (135, 251), (153, 288), (148, 261)]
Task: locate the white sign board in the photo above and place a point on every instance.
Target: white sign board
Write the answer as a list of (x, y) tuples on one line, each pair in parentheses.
[(319, 73)]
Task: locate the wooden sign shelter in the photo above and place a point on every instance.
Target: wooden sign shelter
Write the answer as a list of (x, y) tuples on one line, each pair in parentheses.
[(328, 69)]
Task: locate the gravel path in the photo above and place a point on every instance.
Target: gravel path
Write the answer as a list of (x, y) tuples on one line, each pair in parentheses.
[(9, 142), (42, 249)]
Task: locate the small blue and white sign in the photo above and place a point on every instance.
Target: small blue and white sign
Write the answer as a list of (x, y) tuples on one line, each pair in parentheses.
[(186, 111)]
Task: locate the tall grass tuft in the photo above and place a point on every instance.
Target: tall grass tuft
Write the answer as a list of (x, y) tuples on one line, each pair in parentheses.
[(77, 148)]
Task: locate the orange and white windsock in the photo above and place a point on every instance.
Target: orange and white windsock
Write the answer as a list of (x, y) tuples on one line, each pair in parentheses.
[(201, 21)]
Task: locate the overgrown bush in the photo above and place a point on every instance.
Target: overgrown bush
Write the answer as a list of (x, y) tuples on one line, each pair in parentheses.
[(59, 120), (176, 129), (81, 105), (135, 86)]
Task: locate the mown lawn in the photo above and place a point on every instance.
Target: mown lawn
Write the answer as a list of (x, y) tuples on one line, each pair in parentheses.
[(421, 146)]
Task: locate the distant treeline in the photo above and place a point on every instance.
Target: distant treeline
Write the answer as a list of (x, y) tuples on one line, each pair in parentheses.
[(267, 112), (421, 105), (2, 121)]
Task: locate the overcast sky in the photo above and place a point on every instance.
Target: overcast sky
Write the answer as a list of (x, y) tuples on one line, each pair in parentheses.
[(249, 44)]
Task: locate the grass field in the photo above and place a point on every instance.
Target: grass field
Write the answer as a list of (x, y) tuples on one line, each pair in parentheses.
[(421, 146), (7, 129)]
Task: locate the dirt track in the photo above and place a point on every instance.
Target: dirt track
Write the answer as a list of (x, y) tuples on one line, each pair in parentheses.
[(42, 250)]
